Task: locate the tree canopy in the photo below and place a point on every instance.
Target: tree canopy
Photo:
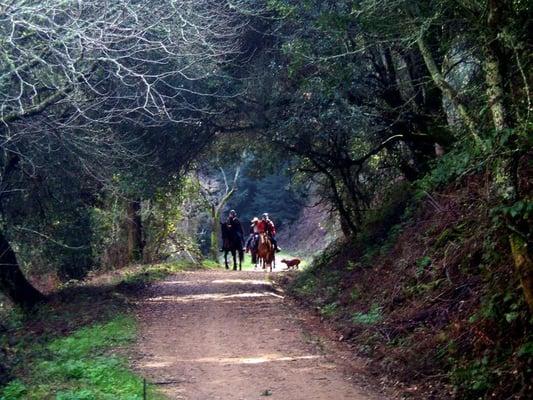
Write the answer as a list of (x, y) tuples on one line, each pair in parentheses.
[(109, 110)]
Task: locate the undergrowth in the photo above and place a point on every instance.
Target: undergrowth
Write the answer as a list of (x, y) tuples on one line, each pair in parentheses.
[(428, 288)]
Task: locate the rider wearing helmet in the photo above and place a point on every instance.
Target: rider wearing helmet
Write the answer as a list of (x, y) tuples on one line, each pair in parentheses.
[(266, 225)]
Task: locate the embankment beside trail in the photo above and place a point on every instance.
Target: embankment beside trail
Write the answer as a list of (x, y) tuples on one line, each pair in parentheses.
[(311, 232), (434, 303)]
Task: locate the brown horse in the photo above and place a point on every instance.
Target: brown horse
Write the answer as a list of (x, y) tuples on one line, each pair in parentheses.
[(265, 251)]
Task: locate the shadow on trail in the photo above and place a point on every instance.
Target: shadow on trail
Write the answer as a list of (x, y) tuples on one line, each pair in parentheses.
[(227, 287), (229, 335)]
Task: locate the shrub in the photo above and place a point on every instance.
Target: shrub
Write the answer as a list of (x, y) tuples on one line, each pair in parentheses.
[(371, 317), (329, 310)]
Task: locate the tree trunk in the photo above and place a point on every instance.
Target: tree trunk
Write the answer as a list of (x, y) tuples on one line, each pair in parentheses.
[(135, 231), (447, 90), (495, 92), (505, 184), (523, 266), (215, 232), (349, 228), (345, 227), (13, 282), (493, 66)]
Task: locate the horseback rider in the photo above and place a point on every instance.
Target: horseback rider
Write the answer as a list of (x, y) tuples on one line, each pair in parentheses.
[(266, 225), (234, 226), (251, 243)]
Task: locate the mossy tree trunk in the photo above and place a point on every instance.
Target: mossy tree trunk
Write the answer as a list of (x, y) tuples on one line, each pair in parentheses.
[(494, 60), (505, 181), (495, 91), (447, 89), (523, 265), (215, 233)]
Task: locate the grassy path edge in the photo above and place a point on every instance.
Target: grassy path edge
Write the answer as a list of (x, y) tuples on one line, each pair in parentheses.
[(75, 347)]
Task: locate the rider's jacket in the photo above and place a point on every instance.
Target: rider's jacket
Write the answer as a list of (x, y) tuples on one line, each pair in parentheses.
[(235, 225), (266, 226)]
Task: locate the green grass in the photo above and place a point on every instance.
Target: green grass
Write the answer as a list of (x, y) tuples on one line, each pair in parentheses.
[(370, 318), (329, 310), (355, 294), (83, 365), (306, 285), (210, 264)]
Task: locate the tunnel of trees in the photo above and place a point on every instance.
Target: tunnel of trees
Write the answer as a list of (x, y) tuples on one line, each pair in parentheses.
[(127, 126)]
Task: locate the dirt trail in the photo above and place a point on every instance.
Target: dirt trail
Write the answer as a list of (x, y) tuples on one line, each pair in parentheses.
[(208, 335)]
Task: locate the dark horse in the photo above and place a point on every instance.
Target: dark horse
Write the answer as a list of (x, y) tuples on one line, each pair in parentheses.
[(231, 243)]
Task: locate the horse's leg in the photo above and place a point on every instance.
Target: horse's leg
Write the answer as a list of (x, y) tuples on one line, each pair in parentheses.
[(234, 255), (226, 259), (241, 256)]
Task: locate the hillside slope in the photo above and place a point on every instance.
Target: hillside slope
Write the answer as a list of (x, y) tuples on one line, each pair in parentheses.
[(434, 303), (311, 232)]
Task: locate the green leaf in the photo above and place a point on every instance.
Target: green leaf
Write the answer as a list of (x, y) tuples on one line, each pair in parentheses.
[(526, 349), (512, 316)]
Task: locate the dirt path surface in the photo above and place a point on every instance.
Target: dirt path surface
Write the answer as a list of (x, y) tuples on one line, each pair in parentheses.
[(209, 335)]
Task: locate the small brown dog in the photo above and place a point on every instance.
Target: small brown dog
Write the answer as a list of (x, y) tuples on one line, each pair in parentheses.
[(292, 263)]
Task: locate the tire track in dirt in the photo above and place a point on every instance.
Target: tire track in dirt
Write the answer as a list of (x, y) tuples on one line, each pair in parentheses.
[(209, 335)]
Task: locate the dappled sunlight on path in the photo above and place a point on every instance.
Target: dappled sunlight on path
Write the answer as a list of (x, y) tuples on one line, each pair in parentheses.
[(209, 296), (230, 335)]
